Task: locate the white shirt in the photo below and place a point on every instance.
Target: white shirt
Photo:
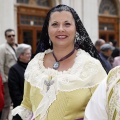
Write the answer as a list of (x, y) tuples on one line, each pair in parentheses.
[(96, 108)]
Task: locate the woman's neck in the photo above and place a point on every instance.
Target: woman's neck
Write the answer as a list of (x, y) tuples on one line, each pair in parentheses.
[(61, 52)]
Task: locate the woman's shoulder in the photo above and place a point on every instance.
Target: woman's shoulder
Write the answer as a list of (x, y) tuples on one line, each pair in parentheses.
[(114, 73), (36, 64), (33, 66), (34, 61), (90, 65), (87, 57), (38, 57), (113, 78)]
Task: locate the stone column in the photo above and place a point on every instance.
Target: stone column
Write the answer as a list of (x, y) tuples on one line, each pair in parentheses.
[(90, 18), (6, 17)]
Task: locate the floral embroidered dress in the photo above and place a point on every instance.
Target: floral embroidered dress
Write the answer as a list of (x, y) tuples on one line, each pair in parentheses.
[(59, 95)]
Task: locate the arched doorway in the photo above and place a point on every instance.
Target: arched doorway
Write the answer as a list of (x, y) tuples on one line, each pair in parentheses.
[(108, 21), (30, 18)]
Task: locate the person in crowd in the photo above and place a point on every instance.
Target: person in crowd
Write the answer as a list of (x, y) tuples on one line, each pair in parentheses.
[(105, 102), (116, 61), (99, 43), (105, 54), (7, 59), (1, 96), (115, 53), (110, 43), (16, 74), (61, 78)]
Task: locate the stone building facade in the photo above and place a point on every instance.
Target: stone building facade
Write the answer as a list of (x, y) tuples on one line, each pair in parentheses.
[(100, 18)]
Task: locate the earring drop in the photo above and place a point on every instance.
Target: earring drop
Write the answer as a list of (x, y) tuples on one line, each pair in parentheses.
[(76, 36), (50, 42)]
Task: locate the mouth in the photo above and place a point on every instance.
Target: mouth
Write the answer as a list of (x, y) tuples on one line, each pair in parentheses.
[(61, 36)]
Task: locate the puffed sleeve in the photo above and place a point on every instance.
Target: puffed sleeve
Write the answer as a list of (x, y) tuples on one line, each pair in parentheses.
[(25, 109)]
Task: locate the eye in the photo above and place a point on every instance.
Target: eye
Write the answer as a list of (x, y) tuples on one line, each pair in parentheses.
[(67, 24), (54, 24)]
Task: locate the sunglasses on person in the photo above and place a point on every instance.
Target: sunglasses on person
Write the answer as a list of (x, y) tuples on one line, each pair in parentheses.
[(9, 36)]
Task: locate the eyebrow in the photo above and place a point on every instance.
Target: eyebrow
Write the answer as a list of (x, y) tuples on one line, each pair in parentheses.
[(64, 21), (67, 21), (53, 21)]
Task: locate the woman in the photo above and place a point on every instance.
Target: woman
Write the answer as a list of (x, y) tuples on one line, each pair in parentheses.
[(16, 74), (60, 81), (116, 61), (105, 102)]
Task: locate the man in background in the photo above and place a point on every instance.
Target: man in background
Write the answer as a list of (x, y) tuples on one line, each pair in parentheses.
[(7, 59), (99, 43), (106, 51)]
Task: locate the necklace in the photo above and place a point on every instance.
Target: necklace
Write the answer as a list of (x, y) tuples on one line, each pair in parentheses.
[(57, 63)]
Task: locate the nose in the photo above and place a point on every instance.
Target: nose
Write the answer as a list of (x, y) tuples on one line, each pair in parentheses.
[(61, 28)]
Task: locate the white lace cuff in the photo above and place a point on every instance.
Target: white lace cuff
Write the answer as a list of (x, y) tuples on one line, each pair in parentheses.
[(24, 113)]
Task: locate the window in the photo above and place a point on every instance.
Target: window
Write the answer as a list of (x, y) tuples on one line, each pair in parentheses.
[(106, 26), (108, 7), (37, 2), (31, 20), (42, 2), (23, 1)]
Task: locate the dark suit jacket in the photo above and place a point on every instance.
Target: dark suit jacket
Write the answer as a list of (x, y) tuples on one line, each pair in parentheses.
[(16, 82)]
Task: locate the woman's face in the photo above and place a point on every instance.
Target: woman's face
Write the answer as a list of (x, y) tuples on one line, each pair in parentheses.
[(62, 28), (26, 56)]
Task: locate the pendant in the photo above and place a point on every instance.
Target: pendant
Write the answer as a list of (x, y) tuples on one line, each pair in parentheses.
[(56, 65), (48, 83)]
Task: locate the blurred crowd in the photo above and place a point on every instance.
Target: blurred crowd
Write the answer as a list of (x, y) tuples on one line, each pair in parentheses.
[(13, 62), (109, 53)]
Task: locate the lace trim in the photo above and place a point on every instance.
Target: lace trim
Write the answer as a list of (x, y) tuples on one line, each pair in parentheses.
[(117, 99), (113, 76), (113, 93), (24, 113), (83, 71)]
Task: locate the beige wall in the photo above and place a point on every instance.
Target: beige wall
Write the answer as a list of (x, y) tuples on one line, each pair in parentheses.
[(6, 17)]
